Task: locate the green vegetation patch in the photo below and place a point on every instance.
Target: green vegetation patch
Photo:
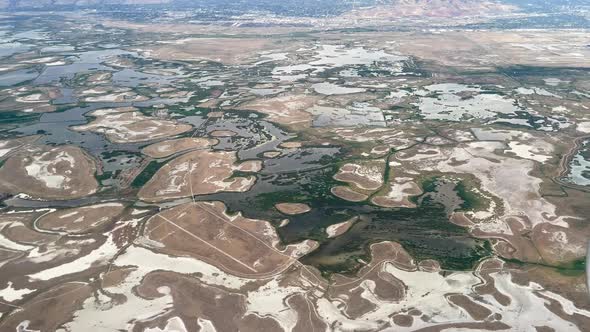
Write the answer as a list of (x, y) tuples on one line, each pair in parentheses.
[(147, 173)]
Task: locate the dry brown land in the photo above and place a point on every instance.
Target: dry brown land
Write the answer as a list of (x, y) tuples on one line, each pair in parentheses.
[(225, 50), (195, 173), (63, 172), (487, 49), (348, 194), (271, 154), (291, 145), (287, 109), (252, 166), (292, 208), (169, 147), (81, 219), (233, 243), (48, 311), (125, 125), (9, 146)]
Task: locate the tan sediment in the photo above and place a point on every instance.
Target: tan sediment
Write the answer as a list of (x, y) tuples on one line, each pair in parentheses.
[(192, 174), (170, 147), (348, 194), (292, 208), (126, 125), (81, 219), (63, 172)]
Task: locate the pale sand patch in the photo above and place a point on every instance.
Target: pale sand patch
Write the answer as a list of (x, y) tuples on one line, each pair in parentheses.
[(271, 154), (286, 109), (252, 166), (126, 125), (583, 127), (291, 145), (340, 228), (363, 175), (398, 194), (327, 88), (529, 151)]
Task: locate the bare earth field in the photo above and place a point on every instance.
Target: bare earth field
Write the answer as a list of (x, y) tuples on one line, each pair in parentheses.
[(50, 173), (236, 244), (195, 173), (81, 220), (211, 49), (167, 148), (125, 125)]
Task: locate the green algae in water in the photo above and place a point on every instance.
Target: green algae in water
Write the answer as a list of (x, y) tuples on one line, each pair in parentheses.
[(425, 232), (312, 188), (471, 201), (575, 268), (147, 173), (104, 176), (464, 189), (18, 117)]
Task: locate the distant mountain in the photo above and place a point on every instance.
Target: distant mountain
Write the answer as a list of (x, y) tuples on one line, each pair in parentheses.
[(436, 8), (549, 5), (52, 4)]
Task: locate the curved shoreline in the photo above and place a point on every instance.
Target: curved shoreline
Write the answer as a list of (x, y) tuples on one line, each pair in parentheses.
[(564, 165)]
